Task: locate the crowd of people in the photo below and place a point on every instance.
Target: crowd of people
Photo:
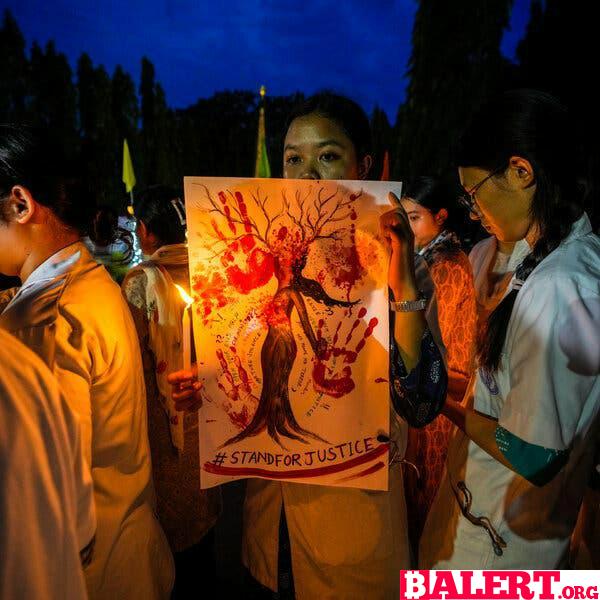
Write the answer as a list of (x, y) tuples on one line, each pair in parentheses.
[(494, 391)]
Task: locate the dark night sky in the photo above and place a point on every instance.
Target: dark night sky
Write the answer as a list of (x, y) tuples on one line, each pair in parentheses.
[(357, 47)]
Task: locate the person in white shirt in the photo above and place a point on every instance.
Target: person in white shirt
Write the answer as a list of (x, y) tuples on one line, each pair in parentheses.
[(518, 467), (46, 486), (70, 313)]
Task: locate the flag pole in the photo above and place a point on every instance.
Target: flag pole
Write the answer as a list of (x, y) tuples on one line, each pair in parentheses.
[(128, 177), (261, 165)]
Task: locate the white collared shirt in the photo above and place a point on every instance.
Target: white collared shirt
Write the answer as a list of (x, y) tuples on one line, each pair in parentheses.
[(73, 316), (546, 392), (46, 486)]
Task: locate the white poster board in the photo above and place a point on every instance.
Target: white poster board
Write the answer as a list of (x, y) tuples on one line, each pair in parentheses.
[(289, 281)]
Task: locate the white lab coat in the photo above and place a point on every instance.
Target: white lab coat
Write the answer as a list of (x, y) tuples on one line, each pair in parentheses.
[(546, 392), (46, 486), (345, 543), (72, 314)]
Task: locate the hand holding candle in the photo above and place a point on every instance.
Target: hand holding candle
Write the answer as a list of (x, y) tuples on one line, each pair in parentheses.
[(186, 387)]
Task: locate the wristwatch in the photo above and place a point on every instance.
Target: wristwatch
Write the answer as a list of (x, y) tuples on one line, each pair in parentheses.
[(408, 305)]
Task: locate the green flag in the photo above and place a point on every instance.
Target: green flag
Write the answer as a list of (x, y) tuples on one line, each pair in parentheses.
[(262, 167), (128, 174)]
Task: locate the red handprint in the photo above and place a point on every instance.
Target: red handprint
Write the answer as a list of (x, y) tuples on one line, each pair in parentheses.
[(209, 292), (338, 383), (247, 266), (252, 251), (241, 404)]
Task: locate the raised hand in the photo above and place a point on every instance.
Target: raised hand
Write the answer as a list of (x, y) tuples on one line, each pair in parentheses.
[(338, 382), (396, 231), (186, 392)]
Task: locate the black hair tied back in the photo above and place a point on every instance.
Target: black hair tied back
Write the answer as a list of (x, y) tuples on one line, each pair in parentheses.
[(535, 126), (30, 158)]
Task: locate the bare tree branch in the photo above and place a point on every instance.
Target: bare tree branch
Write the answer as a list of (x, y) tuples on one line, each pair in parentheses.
[(268, 218), (288, 210)]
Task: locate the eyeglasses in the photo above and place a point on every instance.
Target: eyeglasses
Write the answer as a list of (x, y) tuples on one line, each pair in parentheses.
[(468, 201)]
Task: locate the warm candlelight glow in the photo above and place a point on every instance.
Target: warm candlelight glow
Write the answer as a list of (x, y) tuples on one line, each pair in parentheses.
[(184, 296), (186, 329)]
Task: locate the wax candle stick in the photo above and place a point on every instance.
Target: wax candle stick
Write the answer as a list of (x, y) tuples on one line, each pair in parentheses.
[(186, 325), (187, 348)]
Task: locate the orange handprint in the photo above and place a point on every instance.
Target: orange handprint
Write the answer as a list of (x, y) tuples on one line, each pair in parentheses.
[(333, 381)]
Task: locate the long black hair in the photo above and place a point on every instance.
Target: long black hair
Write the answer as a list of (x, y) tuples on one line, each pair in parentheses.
[(535, 126), (30, 158), (104, 230), (435, 194)]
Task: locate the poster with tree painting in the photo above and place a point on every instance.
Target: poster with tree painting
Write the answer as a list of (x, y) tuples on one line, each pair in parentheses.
[(290, 314)]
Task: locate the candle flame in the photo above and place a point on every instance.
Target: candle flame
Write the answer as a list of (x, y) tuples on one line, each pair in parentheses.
[(184, 296)]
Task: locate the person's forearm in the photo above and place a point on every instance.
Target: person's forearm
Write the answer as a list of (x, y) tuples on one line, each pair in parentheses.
[(409, 327), (479, 428), (536, 463)]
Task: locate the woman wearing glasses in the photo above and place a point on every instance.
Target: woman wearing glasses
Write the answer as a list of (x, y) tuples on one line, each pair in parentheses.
[(517, 469)]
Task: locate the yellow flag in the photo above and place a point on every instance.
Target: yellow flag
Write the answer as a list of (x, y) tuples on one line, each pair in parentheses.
[(261, 166), (128, 174)]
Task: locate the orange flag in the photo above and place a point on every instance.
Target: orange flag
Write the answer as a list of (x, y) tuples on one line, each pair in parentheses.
[(385, 172)]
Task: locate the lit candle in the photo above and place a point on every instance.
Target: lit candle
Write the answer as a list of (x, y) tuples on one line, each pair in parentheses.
[(186, 329)]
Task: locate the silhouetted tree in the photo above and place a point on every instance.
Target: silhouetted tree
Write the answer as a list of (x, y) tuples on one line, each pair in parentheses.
[(382, 140), (14, 69), (100, 149), (54, 98), (556, 55), (455, 64), (125, 106)]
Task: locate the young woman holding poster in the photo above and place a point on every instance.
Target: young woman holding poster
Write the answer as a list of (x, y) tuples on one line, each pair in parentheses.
[(518, 469), (344, 542)]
